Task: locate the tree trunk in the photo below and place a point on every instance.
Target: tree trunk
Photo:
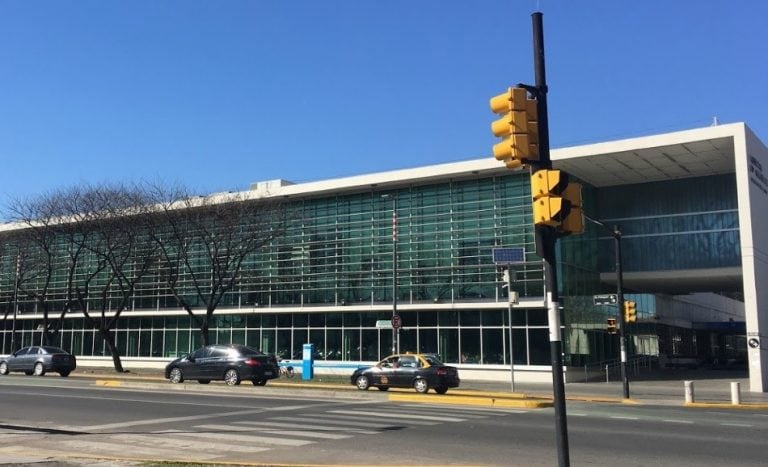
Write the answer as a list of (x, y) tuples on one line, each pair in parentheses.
[(204, 333), (109, 339)]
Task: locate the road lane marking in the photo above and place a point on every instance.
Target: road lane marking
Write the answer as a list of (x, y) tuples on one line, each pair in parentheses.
[(186, 444), (307, 426), (119, 449), (154, 421), (346, 422), (617, 417), (407, 416), (250, 429), (743, 425), (687, 422), (246, 438)]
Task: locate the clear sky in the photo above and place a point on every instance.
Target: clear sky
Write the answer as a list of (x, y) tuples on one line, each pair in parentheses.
[(217, 95)]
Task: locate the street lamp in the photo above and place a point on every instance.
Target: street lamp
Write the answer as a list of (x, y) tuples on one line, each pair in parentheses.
[(395, 317), (616, 234)]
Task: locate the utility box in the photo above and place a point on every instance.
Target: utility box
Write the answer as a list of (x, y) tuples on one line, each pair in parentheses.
[(308, 362)]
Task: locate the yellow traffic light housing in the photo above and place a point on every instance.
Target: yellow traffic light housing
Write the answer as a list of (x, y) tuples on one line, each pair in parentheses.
[(549, 207), (611, 326), (630, 311), (518, 127), (573, 223)]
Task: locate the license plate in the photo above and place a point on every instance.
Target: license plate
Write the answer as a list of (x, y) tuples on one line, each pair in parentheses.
[(267, 373)]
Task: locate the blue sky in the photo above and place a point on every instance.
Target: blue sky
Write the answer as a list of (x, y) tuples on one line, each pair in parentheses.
[(217, 95)]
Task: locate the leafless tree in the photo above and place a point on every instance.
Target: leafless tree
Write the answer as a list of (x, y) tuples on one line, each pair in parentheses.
[(36, 243), (114, 254), (204, 241)]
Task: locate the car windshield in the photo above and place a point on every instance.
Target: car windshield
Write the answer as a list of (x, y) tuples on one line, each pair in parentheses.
[(432, 360)]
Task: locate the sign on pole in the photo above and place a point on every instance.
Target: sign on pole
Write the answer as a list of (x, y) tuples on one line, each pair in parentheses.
[(606, 299), (508, 255), (397, 322)]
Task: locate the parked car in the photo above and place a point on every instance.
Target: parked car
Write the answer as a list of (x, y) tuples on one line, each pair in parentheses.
[(37, 360), (419, 371), (230, 363)]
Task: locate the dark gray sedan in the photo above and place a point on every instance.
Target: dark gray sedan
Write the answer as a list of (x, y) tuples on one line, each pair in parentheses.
[(231, 363), (37, 360)]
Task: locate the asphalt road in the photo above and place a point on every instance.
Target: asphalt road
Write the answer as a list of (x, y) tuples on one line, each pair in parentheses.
[(69, 419)]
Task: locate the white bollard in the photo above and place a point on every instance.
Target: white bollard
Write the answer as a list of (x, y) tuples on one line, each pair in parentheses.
[(689, 392), (735, 393)]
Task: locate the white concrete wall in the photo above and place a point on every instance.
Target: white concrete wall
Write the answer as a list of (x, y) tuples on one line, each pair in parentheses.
[(751, 158)]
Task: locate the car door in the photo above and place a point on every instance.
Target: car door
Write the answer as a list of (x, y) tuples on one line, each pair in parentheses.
[(384, 371), (16, 362), (215, 362), (405, 371), (28, 360), (193, 367)]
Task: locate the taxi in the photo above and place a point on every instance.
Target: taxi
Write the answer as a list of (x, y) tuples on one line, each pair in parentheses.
[(419, 371)]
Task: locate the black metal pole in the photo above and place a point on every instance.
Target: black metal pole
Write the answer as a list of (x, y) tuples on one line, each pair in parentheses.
[(622, 320), (15, 302), (395, 330), (545, 246)]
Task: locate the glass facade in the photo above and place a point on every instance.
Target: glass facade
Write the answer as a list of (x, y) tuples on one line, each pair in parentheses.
[(337, 255), (328, 280)]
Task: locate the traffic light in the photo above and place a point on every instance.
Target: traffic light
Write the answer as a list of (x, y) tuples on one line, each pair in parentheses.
[(518, 127), (549, 207), (611, 328), (573, 223), (630, 311), (505, 278)]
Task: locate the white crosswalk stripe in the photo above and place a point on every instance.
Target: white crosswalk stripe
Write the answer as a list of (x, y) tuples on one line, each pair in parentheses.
[(255, 439), (309, 434), (307, 426), (167, 441), (405, 416)]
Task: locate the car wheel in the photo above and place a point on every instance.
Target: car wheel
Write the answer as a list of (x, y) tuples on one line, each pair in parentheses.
[(441, 389), (203, 381), (64, 374), (259, 382), (383, 388), (3, 368), (38, 370), (362, 382), (232, 377), (176, 376), (421, 386)]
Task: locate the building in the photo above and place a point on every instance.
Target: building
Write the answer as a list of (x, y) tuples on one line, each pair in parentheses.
[(689, 206)]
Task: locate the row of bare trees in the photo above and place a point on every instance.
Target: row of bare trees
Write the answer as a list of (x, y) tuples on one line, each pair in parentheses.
[(90, 248)]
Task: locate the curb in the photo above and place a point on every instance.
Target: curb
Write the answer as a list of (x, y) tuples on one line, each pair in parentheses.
[(484, 401)]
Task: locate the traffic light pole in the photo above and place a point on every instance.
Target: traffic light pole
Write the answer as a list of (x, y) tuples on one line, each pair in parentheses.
[(546, 237), (623, 319)]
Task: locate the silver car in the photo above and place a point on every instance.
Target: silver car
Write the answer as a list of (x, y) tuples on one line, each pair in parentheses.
[(37, 360)]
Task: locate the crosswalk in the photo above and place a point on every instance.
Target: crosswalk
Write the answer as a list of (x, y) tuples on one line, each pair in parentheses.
[(220, 441)]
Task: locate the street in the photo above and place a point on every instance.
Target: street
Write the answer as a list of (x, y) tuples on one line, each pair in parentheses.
[(69, 419)]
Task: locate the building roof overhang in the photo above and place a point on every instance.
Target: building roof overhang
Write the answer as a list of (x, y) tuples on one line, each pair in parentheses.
[(684, 154)]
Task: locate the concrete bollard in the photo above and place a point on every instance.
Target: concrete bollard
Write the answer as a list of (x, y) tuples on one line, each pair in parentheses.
[(735, 393), (688, 392)]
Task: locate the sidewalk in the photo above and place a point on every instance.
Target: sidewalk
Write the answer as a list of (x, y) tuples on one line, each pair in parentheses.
[(662, 387)]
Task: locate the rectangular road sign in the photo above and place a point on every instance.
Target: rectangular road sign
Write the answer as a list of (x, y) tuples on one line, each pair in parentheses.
[(508, 255), (606, 299), (383, 324)]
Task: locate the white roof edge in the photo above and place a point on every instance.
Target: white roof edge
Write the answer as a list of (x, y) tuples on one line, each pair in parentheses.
[(652, 141)]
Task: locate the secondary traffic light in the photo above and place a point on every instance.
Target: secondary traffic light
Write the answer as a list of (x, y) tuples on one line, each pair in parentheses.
[(573, 223), (611, 327), (549, 207), (630, 311), (518, 127)]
